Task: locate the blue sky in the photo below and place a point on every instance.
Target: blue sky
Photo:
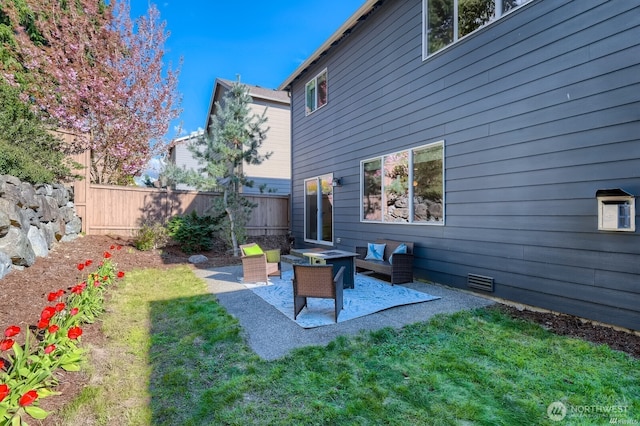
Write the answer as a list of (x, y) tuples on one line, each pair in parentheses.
[(262, 41)]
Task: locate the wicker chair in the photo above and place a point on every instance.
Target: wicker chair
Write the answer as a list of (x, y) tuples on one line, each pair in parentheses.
[(259, 267), (316, 281)]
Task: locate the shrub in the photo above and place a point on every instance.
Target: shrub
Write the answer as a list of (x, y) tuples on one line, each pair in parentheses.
[(28, 150), (191, 231), (241, 212), (151, 236)]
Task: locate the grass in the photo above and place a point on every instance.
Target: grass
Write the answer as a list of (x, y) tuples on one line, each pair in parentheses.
[(175, 357)]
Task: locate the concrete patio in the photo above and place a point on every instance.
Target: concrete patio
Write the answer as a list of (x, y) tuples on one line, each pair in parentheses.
[(272, 335)]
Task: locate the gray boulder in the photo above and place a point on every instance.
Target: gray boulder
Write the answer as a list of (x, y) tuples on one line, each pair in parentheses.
[(67, 213), (44, 189), (74, 226), (48, 211), (198, 258), (60, 195), (29, 217), (5, 223), (69, 237), (49, 230), (11, 191), (12, 211), (28, 196), (16, 245), (10, 179), (5, 264), (38, 242)]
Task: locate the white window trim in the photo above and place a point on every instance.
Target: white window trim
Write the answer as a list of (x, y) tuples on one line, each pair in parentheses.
[(444, 192), (315, 79), (426, 55)]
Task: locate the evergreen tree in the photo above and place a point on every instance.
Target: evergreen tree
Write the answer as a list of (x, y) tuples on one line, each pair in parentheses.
[(234, 139)]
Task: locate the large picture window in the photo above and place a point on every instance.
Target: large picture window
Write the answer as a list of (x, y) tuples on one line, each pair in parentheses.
[(318, 209), (405, 186), (316, 92), (447, 21)]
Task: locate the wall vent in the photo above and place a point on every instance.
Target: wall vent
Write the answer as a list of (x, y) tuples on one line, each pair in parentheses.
[(480, 282)]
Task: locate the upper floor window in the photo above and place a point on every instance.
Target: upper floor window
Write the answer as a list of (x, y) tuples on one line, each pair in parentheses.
[(447, 21), (316, 92), (404, 187)]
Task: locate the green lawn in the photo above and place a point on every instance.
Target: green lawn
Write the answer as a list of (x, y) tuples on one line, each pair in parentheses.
[(175, 357)]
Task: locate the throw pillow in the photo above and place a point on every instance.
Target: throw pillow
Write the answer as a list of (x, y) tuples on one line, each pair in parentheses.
[(375, 251), (252, 250), (273, 256), (402, 248)]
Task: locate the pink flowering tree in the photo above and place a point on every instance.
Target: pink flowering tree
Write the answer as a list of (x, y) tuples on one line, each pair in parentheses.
[(99, 74)]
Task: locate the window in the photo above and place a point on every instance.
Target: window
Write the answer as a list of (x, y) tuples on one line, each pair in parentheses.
[(318, 209), (405, 186), (447, 21), (316, 92)]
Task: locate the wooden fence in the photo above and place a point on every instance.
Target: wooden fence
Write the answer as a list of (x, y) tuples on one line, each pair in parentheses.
[(121, 210)]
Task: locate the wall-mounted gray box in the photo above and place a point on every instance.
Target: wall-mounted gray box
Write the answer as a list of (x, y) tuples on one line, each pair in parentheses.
[(616, 210)]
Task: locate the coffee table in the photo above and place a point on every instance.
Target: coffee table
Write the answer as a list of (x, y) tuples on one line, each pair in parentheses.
[(337, 258)]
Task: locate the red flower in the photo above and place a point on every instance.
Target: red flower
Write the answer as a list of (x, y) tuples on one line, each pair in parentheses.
[(48, 312), (88, 262), (96, 283), (105, 278), (49, 349), (120, 274), (118, 247), (52, 296), (107, 255), (60, 293), (80, 266), (53, 329), (59, 307), (6, 344), (1, 367), (74, 311), (4, 391), (12, 331), (28, 398), (78, 289), (112, 247), (74, 332), (43, 323)]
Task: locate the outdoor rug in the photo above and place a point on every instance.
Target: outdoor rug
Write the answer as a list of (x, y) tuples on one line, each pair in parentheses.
[(369, 296)]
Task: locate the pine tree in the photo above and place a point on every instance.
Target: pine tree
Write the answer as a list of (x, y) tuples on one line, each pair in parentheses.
[(235, 137)]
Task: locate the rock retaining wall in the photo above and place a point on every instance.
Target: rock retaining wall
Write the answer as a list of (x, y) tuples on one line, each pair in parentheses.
[(32, 219)]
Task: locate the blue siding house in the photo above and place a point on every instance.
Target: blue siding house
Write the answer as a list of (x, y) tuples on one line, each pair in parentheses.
[(502, 140)]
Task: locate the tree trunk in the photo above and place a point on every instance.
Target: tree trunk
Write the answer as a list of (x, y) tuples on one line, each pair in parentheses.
[(232, 224)]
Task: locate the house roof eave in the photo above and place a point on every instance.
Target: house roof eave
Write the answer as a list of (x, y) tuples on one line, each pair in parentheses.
[(256, 92), (344, 30)]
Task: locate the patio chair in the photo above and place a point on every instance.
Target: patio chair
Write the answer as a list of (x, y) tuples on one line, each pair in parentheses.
[(316, 281), (258, 265)]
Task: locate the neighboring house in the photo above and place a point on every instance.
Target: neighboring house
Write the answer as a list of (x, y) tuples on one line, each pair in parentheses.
[(510, 154), (180, 155), (274, 174)]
